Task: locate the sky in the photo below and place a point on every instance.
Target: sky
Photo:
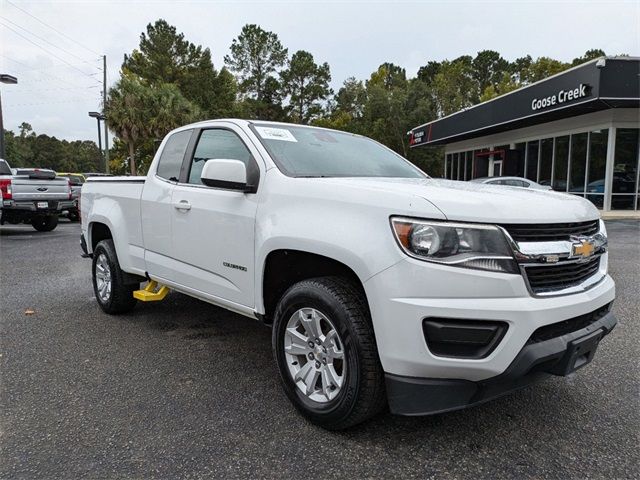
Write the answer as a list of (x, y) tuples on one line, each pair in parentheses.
[(55, 47)]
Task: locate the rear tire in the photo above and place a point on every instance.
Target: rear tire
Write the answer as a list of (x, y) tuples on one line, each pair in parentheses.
[(45, 224), (342, 313), (113, 295)]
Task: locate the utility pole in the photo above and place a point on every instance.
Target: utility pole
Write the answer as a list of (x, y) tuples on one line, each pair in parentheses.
[(4, 78), (104, 107)]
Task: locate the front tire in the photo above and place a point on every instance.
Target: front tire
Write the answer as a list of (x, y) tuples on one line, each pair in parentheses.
[(113, 294), (325, 348), (45, 224)]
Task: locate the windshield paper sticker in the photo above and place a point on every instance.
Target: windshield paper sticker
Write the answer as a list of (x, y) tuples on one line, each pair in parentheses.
[(269, 133)]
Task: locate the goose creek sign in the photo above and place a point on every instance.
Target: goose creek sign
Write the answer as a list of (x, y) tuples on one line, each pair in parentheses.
[(563, 96)]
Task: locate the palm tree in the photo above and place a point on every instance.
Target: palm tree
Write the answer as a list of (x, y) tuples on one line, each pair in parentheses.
[(137, 112), (127, 114)]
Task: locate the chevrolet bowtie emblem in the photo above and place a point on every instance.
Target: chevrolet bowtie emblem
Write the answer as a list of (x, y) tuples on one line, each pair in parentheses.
[(583, 249)]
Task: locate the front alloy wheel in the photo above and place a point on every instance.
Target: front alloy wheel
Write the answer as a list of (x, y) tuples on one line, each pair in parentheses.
[(315, 355), (326, 352)]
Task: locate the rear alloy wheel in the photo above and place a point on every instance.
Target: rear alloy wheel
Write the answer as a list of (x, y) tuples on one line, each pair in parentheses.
[(45, 224), (326, 352), (112, 293), (103, 278)]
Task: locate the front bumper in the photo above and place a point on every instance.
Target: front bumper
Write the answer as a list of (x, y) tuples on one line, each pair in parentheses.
[(404, 295), (556, 356)]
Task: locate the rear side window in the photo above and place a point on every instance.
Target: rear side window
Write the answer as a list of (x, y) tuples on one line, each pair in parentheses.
[(220, 144), (514, 183), (76, 179), (4, 168), (172, 155)]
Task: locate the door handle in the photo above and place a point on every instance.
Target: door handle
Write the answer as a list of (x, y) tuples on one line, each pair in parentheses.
[(182, 205)]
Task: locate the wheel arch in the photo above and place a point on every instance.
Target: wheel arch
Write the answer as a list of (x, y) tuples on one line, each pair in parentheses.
[(284, 267)]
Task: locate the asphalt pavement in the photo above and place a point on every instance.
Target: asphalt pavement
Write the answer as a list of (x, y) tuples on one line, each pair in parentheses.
[(182, 389)]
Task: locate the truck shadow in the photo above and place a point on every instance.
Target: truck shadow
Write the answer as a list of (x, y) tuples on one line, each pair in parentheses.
[(233, 340)]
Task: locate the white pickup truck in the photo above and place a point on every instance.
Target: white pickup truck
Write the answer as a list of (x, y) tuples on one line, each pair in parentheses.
[(383, 286)]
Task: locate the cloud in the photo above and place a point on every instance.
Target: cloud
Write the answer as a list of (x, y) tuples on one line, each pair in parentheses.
[(353, 37)]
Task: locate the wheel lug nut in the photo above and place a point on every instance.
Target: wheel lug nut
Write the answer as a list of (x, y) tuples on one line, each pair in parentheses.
[(311, 344), (324, 361), (311, 356), (317, 364), (318, 341), (324, 349)]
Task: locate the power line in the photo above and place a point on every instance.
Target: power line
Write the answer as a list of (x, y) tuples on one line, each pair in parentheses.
[(47, 41), (52, 28), (50, 67), (48, 89), (44, 49), (60, 79), (74, 100)]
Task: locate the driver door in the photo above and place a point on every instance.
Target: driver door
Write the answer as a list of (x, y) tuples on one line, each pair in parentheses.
[(213, 228)]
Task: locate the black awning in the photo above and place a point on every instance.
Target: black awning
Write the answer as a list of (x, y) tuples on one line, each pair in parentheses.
[(597, 85)]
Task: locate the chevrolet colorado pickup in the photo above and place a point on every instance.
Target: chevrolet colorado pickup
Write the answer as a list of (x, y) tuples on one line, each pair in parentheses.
[(33, 196), (382, 286)]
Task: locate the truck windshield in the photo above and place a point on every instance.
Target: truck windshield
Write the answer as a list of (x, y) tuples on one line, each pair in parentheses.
[(315, 152)]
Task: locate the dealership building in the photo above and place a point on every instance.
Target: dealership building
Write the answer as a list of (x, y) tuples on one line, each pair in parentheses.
[(577, 131)]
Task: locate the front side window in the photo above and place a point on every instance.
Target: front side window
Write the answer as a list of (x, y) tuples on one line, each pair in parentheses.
[(222, 145), (314, 152), (172, 155)]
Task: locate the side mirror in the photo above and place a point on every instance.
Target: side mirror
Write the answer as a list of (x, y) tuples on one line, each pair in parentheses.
[(228, 174)]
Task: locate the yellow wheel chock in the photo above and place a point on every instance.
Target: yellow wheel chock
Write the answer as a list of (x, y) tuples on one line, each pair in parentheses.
[(150, 294)]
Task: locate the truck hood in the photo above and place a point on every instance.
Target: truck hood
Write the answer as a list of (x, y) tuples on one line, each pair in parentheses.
[(477, 202)]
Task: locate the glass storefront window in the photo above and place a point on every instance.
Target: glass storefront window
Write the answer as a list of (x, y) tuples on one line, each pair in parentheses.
[(463, 166), (546, 160), (575, 163), (447, 162), (598, 140), (561, 164), (625, 163), (578, 164), (625, 169), (532, 160), (482, 164), (518, 168), (454, 158)]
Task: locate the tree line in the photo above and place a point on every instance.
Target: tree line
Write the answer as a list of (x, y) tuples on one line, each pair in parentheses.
[(169, 81), (28, 149)]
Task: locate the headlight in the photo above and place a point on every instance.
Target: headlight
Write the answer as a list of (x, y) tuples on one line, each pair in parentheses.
[(467, 245)]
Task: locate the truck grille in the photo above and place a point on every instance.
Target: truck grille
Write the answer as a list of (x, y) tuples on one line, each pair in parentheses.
[(547, 232), (562, 275)]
